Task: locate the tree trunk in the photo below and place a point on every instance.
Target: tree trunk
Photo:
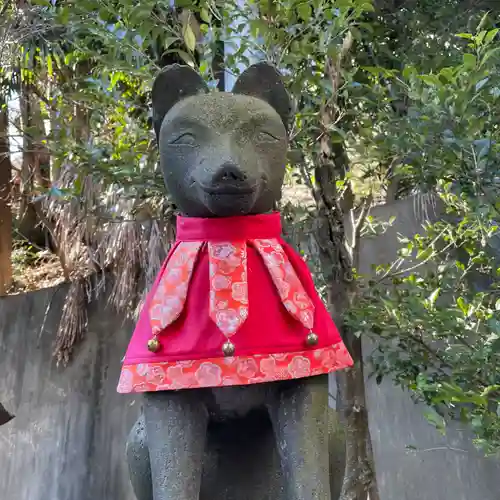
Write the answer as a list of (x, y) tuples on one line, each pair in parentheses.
[(359, 478), (5, 202), (29, 226), (82, 112), (55, 135), (333, 165), (41, 155)]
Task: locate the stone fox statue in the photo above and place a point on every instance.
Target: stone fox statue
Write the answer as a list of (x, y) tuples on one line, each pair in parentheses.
[(233, 321)]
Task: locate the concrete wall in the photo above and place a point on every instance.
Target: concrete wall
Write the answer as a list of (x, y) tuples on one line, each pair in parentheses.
[(442, 467), (67, 440)]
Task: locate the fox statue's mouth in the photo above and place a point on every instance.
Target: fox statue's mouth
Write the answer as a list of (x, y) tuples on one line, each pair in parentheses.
[(229, 200), (230, 189)]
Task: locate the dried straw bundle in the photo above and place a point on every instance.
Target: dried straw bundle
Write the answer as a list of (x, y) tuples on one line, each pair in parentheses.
[(73, 322), (89, 246)]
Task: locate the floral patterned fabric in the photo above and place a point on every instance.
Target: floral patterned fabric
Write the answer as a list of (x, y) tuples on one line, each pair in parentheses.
[(238, 370), (254, 295), (170, 297), (228, 285)]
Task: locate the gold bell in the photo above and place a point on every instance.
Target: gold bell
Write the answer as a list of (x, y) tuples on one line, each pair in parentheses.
[(312, 339), (154, 345), (228, 348)]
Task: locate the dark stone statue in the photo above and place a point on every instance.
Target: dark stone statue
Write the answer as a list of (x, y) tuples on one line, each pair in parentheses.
[(5, 416), (216, 160)]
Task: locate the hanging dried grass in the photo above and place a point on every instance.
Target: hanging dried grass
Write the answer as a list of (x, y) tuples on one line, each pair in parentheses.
[(129, 249), (73, 323), (90, 246)]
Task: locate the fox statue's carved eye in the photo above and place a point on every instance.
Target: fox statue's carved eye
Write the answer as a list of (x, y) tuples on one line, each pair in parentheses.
[(265, 136), (184, 139)]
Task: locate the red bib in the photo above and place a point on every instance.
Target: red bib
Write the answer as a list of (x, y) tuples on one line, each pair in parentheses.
[(232, 305)]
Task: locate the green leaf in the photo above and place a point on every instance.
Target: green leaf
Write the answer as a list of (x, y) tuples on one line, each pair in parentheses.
[(483, 21), (49, 65), (435, 419), (431, 80), (489, 55), (189, 38), (491, 35), (480, 37), (304, 11), (463, 305), (187, 58), (433, 296), (495, 346), (368, 7), (205, 15), (470, 61)]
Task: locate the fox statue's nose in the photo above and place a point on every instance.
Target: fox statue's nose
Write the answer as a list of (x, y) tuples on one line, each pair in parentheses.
[(229, 173)]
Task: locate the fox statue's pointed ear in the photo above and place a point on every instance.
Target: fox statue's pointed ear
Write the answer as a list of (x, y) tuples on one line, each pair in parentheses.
[(263, 80), (174, 83)]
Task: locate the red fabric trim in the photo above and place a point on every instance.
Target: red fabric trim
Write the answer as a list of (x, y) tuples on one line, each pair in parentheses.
[(230, 371), (243, 228)]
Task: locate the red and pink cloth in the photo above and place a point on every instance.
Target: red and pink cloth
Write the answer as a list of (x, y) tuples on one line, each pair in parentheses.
[(233, 304)]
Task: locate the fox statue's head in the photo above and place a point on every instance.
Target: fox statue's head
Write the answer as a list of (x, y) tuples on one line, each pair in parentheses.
[(222, 154)]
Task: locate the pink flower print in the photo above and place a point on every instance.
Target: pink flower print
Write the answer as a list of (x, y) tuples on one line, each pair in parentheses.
[(278, 272), (180, 258), (240, 292), (228, 321), (307, 319), (179, 379), (142, 387), (280, 357), (302, 300), (274, 259), (299, 367), (168, 310), (264, 243), (233, 261), (268, 367), (174, 373), (222, 304), (220, 282), (209, 375), (330, 358), (222, 251), (243, 312), (290, 306), (283, 288), (272, 370), (247, 368), (142, 369), (289, 270), (185, 363), (228, 381), (181, 290), (125, 384), (155, 375), (174, 275)]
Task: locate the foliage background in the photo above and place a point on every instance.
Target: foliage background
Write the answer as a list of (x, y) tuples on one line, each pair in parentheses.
[(393, 98)]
